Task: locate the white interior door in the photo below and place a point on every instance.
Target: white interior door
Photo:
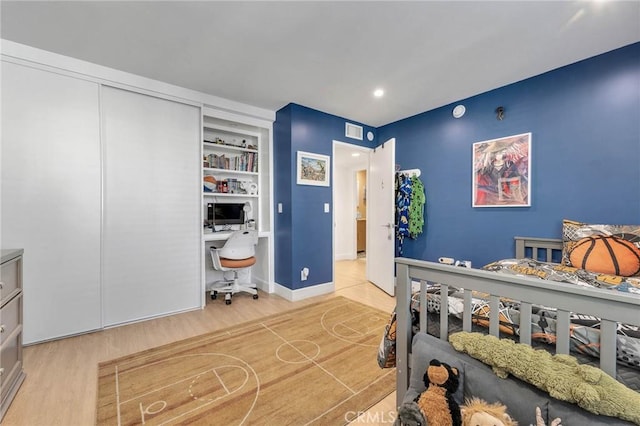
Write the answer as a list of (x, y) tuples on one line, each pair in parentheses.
[(380, 217)]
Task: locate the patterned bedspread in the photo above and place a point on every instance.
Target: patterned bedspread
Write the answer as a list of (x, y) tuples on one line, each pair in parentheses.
[(584, 333), (565, 274)]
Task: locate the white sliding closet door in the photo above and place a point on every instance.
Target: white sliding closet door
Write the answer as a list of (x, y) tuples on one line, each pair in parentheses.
[(51, 197), (151, 249)]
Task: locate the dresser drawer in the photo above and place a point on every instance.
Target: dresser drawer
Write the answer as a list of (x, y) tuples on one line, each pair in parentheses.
[(10, 363), (10, 317), (9, 279)]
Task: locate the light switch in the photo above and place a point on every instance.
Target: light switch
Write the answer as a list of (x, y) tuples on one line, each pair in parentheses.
[(279, 207), (326, 207)]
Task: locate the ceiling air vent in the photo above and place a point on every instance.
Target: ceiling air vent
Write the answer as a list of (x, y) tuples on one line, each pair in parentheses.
[(352, 131)]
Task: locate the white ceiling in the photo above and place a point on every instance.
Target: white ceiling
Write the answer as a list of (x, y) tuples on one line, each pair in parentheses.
[(326, 55)]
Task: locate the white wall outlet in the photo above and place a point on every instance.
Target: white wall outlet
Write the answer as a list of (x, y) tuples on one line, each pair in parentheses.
[(326, 207), (279, 207), (304, 274)]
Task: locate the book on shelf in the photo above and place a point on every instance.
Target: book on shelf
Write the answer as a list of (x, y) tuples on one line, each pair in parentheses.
[(245, 162)]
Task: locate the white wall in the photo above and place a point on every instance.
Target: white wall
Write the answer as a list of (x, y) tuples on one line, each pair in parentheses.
[(345, 195)]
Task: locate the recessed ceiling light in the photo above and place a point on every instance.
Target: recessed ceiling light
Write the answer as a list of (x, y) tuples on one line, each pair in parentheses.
[(378, 93)]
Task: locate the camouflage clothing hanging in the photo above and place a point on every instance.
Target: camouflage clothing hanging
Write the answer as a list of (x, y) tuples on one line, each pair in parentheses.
[(416, 208), (403, 202), (410, 201)]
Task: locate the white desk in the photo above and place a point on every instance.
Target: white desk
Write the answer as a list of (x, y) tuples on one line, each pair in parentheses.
[(224, 235)]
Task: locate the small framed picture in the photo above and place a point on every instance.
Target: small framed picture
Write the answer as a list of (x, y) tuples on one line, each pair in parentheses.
[(502, 172), (313, 169)]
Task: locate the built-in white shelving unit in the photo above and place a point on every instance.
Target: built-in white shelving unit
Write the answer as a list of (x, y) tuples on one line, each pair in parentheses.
[(236, 169), (232, 165)]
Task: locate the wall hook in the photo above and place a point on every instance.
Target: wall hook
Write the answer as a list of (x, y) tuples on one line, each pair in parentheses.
[(500, 113)]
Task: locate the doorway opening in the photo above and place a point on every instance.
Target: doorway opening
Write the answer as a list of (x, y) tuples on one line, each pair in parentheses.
[(378, 190), (350, 169), (361, 214)]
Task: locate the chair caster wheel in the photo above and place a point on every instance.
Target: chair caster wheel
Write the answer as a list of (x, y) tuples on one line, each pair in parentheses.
[(255, 296), (228, 302)]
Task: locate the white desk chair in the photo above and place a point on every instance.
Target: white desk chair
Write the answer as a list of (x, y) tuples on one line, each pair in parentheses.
[(237, 253)]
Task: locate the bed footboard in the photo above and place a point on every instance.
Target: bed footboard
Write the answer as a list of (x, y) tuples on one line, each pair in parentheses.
[(611, 306)]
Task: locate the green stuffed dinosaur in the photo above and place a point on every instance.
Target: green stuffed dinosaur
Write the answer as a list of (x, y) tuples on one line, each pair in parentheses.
[(561, 376)]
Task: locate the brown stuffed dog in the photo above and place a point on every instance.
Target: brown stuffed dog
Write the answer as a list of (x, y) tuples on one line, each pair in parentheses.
[(436, 402)]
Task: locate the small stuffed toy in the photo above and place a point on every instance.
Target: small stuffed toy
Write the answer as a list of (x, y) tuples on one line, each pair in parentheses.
[(436, 402), (540, 420), (478, 412), (409, 414)]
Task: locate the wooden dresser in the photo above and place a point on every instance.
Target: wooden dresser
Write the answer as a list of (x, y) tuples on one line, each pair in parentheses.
[(11, 372)]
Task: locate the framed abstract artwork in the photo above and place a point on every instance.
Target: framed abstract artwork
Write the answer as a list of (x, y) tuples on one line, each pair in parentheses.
[(313, 169), (502, 172)]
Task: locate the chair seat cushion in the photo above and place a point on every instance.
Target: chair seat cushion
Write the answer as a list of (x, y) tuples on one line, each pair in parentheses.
[(237, 263)]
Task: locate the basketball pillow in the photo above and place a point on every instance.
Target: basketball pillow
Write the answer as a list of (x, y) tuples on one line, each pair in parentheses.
[(606, 255)]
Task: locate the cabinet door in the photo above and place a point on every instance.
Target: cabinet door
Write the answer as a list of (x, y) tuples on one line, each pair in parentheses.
[(151, 206), (51, 197)]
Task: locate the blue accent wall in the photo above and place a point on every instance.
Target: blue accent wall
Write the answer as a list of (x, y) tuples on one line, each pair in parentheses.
[(585, 125), (303, 231), (282, 178)]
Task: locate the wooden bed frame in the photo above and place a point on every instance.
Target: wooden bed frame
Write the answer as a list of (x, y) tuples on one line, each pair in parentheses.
[(611, 306)]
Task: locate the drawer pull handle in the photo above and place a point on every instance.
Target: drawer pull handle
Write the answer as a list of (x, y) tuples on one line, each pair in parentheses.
[(2, 328)]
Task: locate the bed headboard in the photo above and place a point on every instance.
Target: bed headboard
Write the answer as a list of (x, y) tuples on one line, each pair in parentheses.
[(543, 249)]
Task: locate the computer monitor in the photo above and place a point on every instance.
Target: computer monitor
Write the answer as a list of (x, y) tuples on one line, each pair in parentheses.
[(226, 214)]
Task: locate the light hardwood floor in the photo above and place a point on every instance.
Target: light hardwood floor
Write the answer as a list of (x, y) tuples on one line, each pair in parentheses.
[(61, 383)]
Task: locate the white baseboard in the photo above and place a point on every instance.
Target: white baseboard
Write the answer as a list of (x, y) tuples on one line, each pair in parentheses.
[(303, 293), (261, 284)]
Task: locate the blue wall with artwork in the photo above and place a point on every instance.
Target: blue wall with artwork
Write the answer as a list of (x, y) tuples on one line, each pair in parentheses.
[(303, 230), (585, 160), (585, 165)]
